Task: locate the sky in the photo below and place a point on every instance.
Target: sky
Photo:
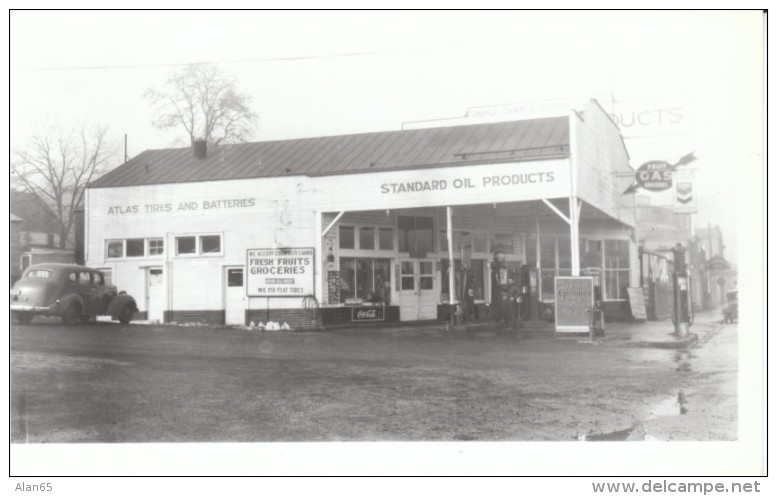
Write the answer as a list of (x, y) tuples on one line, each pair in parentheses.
[(327, 73)]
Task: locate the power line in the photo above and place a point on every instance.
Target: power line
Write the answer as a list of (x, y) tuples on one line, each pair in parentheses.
[(242, 61)]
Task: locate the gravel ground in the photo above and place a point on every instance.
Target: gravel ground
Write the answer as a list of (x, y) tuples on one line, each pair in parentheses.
[(109, 383)]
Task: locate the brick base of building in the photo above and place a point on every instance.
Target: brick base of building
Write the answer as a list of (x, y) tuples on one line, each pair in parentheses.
[(211, 317), (302, 319)]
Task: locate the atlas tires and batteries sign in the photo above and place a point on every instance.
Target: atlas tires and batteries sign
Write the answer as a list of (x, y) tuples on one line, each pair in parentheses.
[(279, 272)]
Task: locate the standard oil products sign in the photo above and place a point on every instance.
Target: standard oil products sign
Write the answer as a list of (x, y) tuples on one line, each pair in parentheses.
[(574, 299), (278, 272)]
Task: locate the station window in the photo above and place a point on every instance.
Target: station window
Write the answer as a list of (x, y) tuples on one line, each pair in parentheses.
[(210, 244), (136, 247), (416, 234), (386, 238), (347, 237), (186, 245), (367, 238), (503, 242), (202, 244), (115, 249), (156, 246)]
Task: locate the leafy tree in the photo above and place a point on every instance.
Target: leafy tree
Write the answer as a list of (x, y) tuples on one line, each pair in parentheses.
[(56, 166), (204, 102)]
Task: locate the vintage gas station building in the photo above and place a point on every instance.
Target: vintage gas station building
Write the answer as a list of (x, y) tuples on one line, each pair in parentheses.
[(362, 228)]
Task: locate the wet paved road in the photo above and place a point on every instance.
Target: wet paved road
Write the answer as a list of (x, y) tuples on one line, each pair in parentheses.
[(138, 383)]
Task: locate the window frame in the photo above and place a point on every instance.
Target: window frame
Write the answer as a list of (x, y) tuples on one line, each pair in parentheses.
[(198, 245), (108, 249), (142, 245), (149, 248)]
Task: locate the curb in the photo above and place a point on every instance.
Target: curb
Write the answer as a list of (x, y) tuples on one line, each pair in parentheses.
[(678, 343)]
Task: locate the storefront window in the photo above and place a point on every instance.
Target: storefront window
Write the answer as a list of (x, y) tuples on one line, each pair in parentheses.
[(590, 253), (473, 279), (564, 253), (548, 267), (480, 242), (386, 239), (531, 250), (366, 238), (616, 268), (368, 279), (503, 242), (416, 234), (347, 237)]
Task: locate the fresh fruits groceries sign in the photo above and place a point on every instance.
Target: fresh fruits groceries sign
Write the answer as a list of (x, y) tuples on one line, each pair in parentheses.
[(280, 272)]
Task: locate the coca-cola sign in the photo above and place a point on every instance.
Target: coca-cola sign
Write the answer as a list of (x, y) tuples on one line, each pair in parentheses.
[(367, 314)]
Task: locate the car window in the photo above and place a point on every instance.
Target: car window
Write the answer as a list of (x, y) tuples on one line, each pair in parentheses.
[(73, 277), (83, 278), (98, 279), (38, 274)]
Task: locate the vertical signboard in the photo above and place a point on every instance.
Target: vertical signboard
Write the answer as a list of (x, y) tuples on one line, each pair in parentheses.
[(574, 299), (684, 197), (278, 272)]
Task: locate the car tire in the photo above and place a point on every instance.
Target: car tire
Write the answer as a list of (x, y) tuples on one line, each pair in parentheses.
[(72, 315), (125, 316), (22, 317)]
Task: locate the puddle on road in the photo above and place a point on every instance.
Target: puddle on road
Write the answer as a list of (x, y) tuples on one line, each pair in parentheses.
[(676, 405), (682, 358), (620, 435)]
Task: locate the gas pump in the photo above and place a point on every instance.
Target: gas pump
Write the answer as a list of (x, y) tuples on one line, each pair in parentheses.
[(530, 308), (681, 310)]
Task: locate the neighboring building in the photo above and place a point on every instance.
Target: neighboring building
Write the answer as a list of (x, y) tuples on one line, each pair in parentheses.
[(659, 230), (721, 272), (362, 228), (37, 235), (15, 247)]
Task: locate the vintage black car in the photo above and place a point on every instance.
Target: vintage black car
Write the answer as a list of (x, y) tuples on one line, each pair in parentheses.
[(72, 292)]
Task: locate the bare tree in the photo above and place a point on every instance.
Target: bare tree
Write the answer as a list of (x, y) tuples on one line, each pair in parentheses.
[(56, 166), (205, 102)]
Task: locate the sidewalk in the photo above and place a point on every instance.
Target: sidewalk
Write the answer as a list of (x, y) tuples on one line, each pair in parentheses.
[(660, 334)]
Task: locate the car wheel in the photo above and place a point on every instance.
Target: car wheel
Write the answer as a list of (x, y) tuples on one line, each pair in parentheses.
[(126, 314), (22, 317), (72, 315)]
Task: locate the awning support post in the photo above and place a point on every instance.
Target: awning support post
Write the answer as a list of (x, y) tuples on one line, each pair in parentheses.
[(574, 234), (451, 267), (319, 257)]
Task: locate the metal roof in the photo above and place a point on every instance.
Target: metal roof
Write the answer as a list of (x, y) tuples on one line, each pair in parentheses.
[(368, 152)]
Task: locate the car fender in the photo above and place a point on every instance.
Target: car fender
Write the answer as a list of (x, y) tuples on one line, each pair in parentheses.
[(67, 300), (119, 303)]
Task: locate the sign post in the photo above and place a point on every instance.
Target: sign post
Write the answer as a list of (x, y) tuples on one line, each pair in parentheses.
[(574, 303)]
